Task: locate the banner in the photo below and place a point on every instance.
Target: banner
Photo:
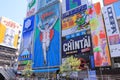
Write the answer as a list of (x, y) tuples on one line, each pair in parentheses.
[(99, 40), (75, 20), (32, 7), (112, 30), (27, 38), (47, 38), (71, 4), (44, 3), (9, 33)]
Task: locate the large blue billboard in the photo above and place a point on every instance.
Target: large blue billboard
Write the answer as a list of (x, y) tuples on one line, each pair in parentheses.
[(47, 38), (27, 38)]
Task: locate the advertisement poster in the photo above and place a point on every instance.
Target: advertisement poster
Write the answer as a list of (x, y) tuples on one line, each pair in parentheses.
[(116, 6), (76, 45), (44, 3), (75, 20), (99, 40), (113, 32), (27, 38), (71, 4), (74, 63), (32, 7), (47, 38), (9, 33)]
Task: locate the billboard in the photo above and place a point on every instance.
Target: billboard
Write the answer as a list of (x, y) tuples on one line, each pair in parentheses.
[(76, 45), (9, 33), (71, 4), (99, 39), (79, 46), (116, 6), (32, 7), (107, 2), (44, 3), (75, 20), (47, 38), (76, 38), (27, 37), (112, 30)]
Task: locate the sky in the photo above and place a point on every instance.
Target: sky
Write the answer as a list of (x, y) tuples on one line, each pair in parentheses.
[(13, 9), (16, 9)]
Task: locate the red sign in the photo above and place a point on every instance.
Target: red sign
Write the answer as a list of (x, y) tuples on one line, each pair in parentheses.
[(107, 2), (46, 15), (30, 12), (10, 24)]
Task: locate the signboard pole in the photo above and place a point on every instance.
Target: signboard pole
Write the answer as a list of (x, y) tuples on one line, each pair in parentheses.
[(101, 73), (88, 73)]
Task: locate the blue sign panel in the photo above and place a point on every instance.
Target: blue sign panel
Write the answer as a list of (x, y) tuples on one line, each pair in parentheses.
[(72, 4), (27, 38), (47, 38), (92, 64), (116, 6)]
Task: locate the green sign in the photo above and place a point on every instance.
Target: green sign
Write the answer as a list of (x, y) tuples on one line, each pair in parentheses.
[(31, 4)]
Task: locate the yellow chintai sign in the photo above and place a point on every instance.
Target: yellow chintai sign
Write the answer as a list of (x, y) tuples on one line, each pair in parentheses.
[(9, 33)]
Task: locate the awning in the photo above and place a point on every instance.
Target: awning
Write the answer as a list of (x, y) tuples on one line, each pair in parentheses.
[(46, 70)]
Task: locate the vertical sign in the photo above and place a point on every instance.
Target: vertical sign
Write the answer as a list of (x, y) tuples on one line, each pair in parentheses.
[(100, 46), (9, 33), (76, 38), (71, 4), (32, 7), (47, 38), (27, 37), (112, 29)]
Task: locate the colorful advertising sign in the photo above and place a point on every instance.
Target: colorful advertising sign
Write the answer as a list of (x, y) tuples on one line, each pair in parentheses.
[(116, 6), (74, 63), (75, 20), (71, 4), (32, 7), (99, 40), (27, 37), (76, 45), (47, 38), (44, 3), (112, 30), (107, 2), (9, 33)]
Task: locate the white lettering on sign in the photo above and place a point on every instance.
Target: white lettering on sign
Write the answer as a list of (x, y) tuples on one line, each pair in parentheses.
[(76, 45)]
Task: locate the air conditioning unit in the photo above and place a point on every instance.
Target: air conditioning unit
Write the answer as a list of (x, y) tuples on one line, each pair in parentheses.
[(116, 65)]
